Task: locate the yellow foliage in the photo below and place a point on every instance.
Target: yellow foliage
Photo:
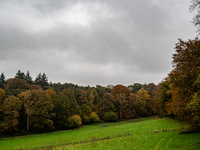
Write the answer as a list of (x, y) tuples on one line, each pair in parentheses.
[(94, 117), (74, 121), (2, 95), (51, 92), (12, 105)]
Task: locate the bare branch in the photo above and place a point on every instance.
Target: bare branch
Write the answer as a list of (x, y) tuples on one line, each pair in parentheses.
[(194, 4)]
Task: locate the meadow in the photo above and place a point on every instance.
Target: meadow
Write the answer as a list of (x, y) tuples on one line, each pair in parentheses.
[(131, 134)]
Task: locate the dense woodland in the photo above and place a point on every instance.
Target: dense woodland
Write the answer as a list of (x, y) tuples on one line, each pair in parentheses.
[(30, 106)]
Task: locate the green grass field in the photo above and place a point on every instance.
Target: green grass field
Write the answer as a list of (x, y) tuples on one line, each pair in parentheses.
[(130, 135)]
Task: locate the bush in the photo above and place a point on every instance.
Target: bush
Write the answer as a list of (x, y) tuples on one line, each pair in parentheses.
[(85, 119), (110, 116), (94, 117), (74, 121)]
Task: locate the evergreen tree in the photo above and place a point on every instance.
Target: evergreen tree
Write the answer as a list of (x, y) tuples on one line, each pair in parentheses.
[(38, 79), (28, 78), (20, 75), (2, 81), (135, 87), (42, 80)]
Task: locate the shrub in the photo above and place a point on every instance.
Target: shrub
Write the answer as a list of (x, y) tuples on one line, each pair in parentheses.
[(110, 116), (74, 121), (85, 119), (94, 117)]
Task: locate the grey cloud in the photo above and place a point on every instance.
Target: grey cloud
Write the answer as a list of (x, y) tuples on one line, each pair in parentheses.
[(119, 42)]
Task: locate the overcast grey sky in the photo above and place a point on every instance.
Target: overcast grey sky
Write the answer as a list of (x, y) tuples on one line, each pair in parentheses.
[(93, 42)]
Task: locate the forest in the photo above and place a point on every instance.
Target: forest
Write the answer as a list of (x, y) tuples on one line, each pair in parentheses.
[(34, 106)]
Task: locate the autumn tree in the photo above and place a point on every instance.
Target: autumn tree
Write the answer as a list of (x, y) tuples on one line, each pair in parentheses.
[(85, 112), (120, 89), (193, 108), (95, 95), (151, 87), (51, 93), (108, 102), (12, 106), (93, 99), (16, 86), (65, 106), (131, 106), (17, 83), (90, 97), (143, 99), (120, 93), (82, 97), (35, 87), (2, 96), (89, 106), (38, 108), (162, 98), (121, 103), (186, 68), (27, 101)]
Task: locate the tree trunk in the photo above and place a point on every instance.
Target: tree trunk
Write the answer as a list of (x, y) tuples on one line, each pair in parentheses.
[(27, 122)]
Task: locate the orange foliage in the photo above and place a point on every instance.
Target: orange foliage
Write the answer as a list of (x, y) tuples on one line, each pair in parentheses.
[(2, 95), (186, 63), (120, 89), (35, 87), (168, 107)]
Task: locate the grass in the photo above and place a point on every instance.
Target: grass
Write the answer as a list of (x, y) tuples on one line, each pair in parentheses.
[(130, 134)]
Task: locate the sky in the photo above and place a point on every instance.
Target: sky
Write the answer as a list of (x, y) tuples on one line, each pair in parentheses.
[(93, 42)]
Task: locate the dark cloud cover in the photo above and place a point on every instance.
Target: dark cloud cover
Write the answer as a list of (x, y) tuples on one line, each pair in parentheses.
[(93, 42)]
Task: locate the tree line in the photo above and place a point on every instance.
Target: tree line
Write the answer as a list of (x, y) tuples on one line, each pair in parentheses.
[(35, 106)]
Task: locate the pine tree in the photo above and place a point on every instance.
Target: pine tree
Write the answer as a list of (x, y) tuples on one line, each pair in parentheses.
[(42, 80), (2, 81), (20, 75), (28, 78), (38, 79)]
